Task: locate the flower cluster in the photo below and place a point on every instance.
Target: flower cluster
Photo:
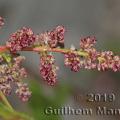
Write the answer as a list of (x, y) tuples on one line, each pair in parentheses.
[(48, 68), (108, 61), (91, 58), (23, 91), (87, 43), (72, 60), (12, 74), (52, 38), (45, 43), (21, 39), (1, 22)]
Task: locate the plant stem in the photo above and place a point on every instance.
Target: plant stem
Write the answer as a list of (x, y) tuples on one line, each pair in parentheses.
[(3, 48), (7, 114), (48, 49), (60, 50), (5, 101)]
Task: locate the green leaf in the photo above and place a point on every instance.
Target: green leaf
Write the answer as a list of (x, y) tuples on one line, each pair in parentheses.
[(7, 57)]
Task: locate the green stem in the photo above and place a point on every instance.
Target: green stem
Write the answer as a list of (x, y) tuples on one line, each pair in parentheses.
[(5, 101), (59, 50)]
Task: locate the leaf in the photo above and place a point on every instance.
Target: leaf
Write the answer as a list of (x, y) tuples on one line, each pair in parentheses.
[(7, 57)]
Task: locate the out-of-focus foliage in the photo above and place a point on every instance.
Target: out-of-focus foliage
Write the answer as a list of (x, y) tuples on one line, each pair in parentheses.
[(39, 101), (8, 114)]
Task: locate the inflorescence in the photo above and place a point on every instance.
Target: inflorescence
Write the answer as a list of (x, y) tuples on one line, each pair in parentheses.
[(87, 57)]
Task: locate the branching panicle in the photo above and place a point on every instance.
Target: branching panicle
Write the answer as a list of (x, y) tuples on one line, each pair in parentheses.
[(45, 44)]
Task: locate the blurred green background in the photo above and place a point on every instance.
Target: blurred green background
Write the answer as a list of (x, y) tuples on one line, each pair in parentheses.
[(100, 18)]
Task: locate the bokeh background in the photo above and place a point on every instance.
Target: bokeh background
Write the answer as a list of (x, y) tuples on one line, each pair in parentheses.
[(100, 18)]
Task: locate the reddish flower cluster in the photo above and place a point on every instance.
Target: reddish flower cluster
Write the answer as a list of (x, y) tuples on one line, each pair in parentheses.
[(87, 43), (11, 73), (93, 59), (108, 61), (52, 38), (51, 41), (21, 39), (1, 22), (48, 68)]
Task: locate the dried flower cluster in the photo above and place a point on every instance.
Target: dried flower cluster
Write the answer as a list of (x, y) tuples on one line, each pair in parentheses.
[(44, 44)]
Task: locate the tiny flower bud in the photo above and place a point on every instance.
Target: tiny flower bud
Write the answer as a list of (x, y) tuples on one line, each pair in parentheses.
[(72, 47), (6, 88), (1, 22)]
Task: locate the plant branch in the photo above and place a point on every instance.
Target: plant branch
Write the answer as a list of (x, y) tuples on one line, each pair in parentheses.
[(48, 49), (5, 101)]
